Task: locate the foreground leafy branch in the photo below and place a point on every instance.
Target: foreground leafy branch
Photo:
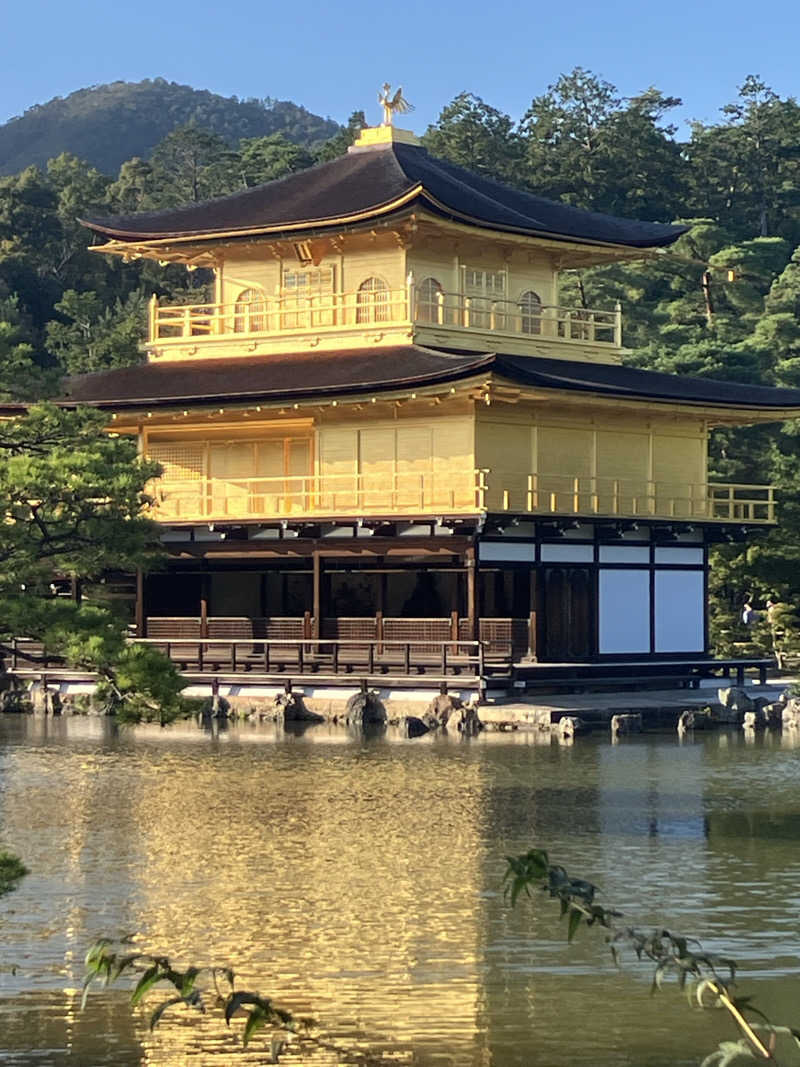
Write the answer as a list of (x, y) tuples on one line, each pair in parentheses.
[(12, 871), (105, 963), (708, 979)]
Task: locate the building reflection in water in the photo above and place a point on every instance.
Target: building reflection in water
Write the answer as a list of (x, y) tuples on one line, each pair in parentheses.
[(360, 882)]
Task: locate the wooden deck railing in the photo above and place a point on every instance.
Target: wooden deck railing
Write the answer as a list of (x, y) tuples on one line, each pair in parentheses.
[(421, 492), (282, 314), (452, 492), (593, 326), (558, 494), (291, 313), (324, 658)]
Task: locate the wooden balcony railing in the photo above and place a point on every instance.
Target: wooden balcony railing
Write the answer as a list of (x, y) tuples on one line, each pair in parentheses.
[(284, 314), (293, 314), (555, 494), (397, 493), (550, 322), (389, 493)]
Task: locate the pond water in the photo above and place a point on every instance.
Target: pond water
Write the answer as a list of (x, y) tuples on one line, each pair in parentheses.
[(359, 881)]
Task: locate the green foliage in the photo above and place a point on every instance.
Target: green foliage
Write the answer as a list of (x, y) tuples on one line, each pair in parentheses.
[(192, 164), (72, 496), (587, 146), (12, 871), (338, 144), (96, 336), (85, 635), (708, 979), (108, 124), (106, 963), (748, 168), (20, 378), (263, 159), (144, 686), (475, 135)]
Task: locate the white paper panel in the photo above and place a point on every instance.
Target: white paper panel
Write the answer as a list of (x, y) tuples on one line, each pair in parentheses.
[(567, 553), (679, 611), (624, 554), (687, 556), (624, 611), (506, 552)]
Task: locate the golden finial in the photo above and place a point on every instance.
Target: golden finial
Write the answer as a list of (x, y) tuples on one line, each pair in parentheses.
[(392, 105)]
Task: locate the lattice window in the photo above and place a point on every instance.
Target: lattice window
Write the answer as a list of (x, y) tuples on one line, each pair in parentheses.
[(530, 307), (181, 461), (308, 282), (490, 284), (250, 311), (429, 306), (373, 301), (483, 289), (307, 298)]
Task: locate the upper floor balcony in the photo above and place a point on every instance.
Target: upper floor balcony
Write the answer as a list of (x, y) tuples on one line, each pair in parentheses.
[(400, 493), (260, 323)]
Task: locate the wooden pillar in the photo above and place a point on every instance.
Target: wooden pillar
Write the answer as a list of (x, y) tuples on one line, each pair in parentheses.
[(204, 591), (139, 617), (316, 609), (75, 589), (472, 591), (380, 597), (380, 591), (533, 616)]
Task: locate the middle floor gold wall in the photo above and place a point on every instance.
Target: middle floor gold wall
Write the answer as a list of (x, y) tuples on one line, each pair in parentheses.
[(425, 454)]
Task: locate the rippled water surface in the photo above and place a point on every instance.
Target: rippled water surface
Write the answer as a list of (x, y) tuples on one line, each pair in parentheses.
[(358, 881)]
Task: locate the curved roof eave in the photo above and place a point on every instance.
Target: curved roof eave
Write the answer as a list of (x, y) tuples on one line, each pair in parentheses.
[(287, 231), (369, 184), (280, 229)]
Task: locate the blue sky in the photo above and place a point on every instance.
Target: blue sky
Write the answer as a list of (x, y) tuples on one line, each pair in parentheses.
[(332, 56)]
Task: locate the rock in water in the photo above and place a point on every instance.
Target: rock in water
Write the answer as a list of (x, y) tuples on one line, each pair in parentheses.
[(365, 709), (754, 720), (790, 714), (470, 724), (442, 708), (695, 719), (627, 723), (411, 726), (44, 700), (569, 726), (289, 707), (773, 713), (736, 700)]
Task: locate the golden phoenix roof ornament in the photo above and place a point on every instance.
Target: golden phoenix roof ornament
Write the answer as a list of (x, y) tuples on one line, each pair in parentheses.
[(392, 105)]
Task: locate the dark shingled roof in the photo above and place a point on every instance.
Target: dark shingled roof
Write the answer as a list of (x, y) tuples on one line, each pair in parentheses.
[(370, 181), (304, 375)]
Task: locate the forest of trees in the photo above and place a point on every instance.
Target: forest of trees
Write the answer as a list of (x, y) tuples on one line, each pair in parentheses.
[(107, 124), (736, 183)]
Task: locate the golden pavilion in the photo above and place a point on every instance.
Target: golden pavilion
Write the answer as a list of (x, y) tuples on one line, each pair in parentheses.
[(385, 427)]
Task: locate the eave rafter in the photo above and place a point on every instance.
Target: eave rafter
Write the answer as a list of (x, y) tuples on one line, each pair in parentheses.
[(180, 412), (208, 250)]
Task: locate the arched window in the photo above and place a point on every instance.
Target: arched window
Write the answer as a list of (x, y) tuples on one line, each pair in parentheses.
[(372, 301), (250, 311), (530, 308), (429, 307)]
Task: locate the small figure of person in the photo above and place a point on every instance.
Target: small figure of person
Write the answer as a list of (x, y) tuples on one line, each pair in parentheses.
[(749, 614), (772, 611)]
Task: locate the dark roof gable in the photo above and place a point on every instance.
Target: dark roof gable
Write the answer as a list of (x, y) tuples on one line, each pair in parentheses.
[(374, 181)]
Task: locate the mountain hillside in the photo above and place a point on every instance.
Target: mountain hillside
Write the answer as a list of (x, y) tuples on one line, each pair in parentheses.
[(108, 124)]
